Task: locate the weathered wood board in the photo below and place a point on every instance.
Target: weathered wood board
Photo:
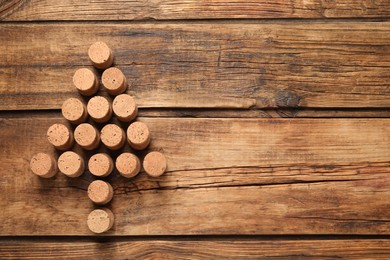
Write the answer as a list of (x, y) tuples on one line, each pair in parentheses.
[(283, 64), (199, 248), (225, 176), (68, 10)]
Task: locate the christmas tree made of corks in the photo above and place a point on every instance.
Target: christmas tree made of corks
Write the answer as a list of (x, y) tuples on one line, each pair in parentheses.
[(87, 136)]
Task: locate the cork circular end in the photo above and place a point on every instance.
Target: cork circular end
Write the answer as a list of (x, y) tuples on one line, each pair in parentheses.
[(128, 165), (100, 192), (100, 165), (87, 136), (125, 108), (86, 81), (71, 164), (99, 108), (155, 164), (100, 220), (100, 55), (74, 111), (114, 81), (112, 136), (60, 136), (43, 165), (138, 135)]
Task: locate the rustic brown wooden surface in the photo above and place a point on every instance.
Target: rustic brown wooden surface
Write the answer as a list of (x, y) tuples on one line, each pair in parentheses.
[(32, 10), (252, 176), (189, 248), (205, 65), (213, 79)]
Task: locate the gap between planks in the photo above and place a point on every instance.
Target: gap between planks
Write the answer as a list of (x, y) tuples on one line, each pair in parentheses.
[(225, 113)]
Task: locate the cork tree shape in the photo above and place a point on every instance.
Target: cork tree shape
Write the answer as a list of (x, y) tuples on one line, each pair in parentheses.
[(89, 134)]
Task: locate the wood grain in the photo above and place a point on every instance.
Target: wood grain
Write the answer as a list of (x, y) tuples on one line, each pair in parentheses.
[(39, 10), (191, 248), (225, 176), (257, 113), (205, 65)]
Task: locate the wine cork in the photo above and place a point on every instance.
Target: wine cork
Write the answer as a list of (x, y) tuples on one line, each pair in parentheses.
[(71, 164), (100, 165), (99, 108), (128, 165), (43, 165), (100, 220), (138, 135), (114, 81), (60, 136), (100, 55), (86, 81), (112, 136), (74, 111), (87, 136), (100, 192), (125, 108), (155, 164)]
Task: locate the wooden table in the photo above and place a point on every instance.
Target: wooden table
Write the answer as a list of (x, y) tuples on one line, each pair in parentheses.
[(274, 117)]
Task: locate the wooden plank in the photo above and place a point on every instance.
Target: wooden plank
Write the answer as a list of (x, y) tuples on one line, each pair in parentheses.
[(225, 176), (37, 10), (284, 64), (197, 248)]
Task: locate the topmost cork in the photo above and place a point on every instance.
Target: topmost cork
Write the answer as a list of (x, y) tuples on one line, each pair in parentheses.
[(100, 55)]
